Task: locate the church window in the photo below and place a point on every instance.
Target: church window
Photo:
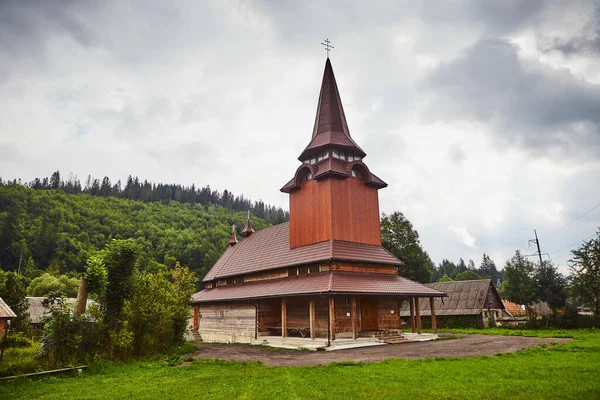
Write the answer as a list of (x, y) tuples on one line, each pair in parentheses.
[(292, 271), (307, 176), (336, 153), (229, 282), (325, 154), (239, 279), (342, 155), (356, 173), (313, 160), (350, 157), (313, 268), (302, 270)]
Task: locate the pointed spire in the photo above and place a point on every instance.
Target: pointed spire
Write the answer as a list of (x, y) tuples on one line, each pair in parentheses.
[(247, 231), (330, 122), (232, 239)]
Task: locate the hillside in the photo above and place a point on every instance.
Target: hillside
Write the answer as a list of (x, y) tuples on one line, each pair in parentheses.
[(52, 230)]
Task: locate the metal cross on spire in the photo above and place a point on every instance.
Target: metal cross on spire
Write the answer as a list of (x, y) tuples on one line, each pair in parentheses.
[(328, 46)]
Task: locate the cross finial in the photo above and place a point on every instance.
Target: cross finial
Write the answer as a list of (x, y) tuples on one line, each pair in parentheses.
[(328, 46), (233, 228), (248, 214)]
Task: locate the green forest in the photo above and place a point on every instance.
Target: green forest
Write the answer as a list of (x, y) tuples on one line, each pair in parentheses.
[(50, 231)]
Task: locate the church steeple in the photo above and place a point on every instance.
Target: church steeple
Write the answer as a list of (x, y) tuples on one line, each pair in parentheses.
[(331, 150), (333, 195), (331, 127)]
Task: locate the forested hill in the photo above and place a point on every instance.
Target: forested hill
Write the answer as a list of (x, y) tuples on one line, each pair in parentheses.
[(55, 231), (135, 189)]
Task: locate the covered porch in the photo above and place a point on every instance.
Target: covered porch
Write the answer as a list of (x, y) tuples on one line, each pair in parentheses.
[(312, 321)]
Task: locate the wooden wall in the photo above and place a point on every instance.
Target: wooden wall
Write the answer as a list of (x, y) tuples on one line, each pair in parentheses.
[(310, 215), (354, 211), (227, 322), (387, 320), (342, 209), (365, 267)]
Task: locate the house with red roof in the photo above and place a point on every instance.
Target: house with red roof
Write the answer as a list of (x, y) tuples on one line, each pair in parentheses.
[(323, 276)]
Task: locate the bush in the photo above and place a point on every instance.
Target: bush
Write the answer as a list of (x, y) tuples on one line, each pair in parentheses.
[(17, 339)]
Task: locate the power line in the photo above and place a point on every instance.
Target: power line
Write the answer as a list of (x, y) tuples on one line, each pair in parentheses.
[(571, 245), (564, 226)]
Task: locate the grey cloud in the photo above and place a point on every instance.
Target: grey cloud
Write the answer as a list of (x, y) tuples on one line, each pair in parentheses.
[(496, 17), (530, 105), (586, 42)]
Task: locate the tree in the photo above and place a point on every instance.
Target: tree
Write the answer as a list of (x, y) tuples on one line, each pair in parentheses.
[(47, 284), (467, 276), (519, 285), (96, 275), (487, 269), (585, 270), (55, 180), (550, 286), (447, 268), (399, 238), (445, 278), (120, 258)]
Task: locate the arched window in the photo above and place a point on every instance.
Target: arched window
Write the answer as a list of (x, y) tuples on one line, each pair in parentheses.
[(357, 172), (306, 175)]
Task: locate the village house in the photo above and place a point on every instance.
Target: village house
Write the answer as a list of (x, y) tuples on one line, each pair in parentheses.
[(6, 314), (323, 276), (469, 304)]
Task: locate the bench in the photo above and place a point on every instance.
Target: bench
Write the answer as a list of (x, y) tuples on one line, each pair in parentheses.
[(304, 332)]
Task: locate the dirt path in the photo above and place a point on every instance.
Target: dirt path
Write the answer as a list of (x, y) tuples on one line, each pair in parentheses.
[(464, 346)]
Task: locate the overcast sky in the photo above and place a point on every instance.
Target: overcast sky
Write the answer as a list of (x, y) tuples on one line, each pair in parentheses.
[(483, 117)]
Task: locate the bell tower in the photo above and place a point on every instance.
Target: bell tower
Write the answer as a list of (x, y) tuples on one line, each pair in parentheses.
[(333, 195)]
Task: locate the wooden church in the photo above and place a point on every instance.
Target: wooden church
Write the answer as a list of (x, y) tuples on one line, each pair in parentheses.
[(322, 276)]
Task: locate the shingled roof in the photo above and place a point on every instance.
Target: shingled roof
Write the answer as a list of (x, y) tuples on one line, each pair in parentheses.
[(464, 298), (331, 282), (5, 311), (270, 248)]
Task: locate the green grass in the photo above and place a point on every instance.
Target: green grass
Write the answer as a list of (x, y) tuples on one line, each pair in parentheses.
[(569, 370)]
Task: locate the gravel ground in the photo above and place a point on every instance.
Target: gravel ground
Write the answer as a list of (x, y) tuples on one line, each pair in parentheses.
[(463, 346)]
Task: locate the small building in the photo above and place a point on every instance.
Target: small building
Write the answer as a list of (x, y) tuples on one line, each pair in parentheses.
[(36, 308), (469, 304), (323, 276), (6, 314)]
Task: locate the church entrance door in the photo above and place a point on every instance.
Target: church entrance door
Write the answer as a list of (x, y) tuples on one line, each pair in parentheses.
[(368, 314)]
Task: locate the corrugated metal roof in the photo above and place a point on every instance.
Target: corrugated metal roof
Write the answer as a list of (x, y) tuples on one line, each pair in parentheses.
[(464, 298), (318, 283), (270, 248), (5, 311)]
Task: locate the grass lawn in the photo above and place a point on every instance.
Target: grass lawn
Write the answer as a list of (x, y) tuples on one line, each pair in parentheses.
[(570, 370)]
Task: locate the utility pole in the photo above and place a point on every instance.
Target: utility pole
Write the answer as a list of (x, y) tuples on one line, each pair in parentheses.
[(539, 252)]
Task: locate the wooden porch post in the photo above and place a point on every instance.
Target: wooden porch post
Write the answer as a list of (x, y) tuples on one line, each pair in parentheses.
[(283, 317), (332, 317), (433, 319), (195, 317), (354, 319), (411, 302), (311, 312), (418, 312)]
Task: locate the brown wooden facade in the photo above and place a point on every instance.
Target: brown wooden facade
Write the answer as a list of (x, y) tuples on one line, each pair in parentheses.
[(352, 205)]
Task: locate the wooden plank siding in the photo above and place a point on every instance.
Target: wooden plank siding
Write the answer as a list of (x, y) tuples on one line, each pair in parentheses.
[(352, 204), (365, 268), (310, 216), (355, 210)]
